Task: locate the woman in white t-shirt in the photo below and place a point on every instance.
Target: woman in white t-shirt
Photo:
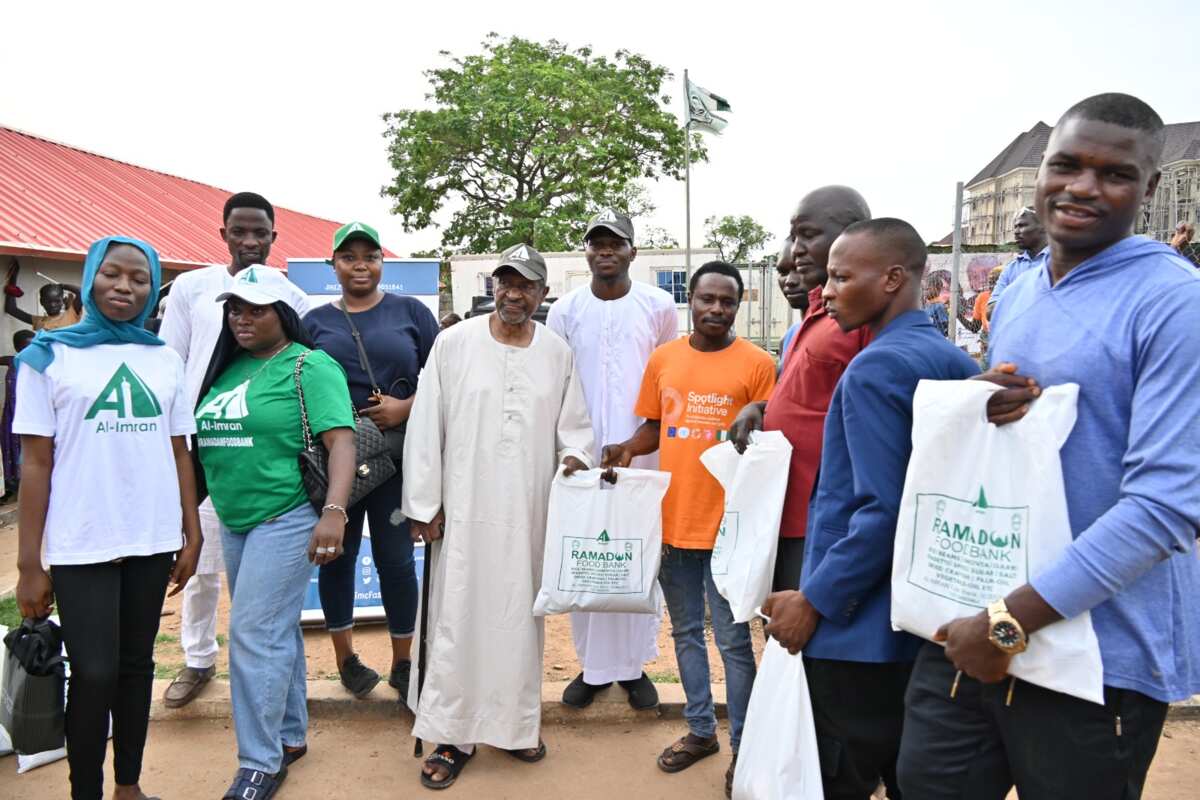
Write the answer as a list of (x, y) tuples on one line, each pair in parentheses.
[(108, 501)]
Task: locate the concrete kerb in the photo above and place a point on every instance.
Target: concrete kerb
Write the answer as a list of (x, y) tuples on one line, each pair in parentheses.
[(328, 700)]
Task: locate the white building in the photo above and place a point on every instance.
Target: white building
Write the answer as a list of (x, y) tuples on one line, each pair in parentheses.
[(471, 277)]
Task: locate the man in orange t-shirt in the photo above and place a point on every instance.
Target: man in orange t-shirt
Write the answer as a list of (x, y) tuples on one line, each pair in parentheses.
[(692, 390)]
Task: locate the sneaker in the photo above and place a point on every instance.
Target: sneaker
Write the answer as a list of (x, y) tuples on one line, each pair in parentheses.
[(642, 694), (357, 677), (579, 694), (398, 679)]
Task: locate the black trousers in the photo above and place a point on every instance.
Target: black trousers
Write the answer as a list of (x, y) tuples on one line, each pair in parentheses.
[(1049, 745), (858, 712), (789, 560), (109, 615)]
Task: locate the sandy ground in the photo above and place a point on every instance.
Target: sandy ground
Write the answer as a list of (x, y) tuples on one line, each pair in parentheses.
[(374, 647), (374, 758)]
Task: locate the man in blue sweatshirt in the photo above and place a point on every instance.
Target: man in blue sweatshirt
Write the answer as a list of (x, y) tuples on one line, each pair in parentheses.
[(1118, 315), (857, 666)]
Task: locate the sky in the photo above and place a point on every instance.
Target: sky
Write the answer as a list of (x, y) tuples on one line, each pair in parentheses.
[(899, 100)]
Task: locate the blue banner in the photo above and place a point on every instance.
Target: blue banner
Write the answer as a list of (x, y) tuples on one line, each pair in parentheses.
[(368, 600), (417, 277)]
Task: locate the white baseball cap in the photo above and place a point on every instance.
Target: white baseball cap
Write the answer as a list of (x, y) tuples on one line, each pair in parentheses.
[(260, 285)]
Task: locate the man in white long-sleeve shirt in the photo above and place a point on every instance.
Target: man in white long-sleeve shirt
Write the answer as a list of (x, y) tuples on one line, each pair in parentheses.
[(191, 324), (613, 325)]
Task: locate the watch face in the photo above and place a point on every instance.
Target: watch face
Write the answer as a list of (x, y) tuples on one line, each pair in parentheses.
[(1006, 634)]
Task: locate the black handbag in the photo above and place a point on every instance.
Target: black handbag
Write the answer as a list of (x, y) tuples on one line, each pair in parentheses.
[(373, 463), (394, 436), (33, 700)]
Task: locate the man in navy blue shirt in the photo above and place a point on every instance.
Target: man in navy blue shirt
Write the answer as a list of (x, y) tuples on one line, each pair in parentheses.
[(857, 665), (1116, 314)]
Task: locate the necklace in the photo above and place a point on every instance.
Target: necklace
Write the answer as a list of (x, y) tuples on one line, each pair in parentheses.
[(267, 361)]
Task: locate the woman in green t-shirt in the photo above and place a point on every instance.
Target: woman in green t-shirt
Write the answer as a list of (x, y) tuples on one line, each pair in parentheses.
[(249, 437)]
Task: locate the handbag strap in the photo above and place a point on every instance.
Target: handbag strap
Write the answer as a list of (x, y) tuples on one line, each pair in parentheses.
[(308, 437), (363, 361)]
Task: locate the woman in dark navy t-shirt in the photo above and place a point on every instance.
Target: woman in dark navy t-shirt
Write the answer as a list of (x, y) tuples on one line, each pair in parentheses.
[(396, 333)]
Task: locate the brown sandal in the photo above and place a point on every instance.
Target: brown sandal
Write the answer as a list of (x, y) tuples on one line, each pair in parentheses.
[(687, 751)]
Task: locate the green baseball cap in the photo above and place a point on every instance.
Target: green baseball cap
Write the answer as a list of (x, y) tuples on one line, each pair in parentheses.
[(352, 229)]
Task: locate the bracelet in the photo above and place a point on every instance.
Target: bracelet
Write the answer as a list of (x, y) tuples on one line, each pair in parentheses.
[(334, 507)]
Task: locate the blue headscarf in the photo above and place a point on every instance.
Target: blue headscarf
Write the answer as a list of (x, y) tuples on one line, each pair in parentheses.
[(95, 328)]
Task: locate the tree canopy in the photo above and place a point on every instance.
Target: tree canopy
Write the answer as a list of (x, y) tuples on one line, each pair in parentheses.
[(739, 238), (526, 140)]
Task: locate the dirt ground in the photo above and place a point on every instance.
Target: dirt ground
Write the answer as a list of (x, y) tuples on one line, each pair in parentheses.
[(374, 646), (373, 758)]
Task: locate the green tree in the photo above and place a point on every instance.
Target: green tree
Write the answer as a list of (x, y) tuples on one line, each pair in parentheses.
[(526, 140), (656, 237), (738, 238)]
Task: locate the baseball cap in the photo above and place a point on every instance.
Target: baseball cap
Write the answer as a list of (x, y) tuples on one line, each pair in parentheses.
[(260, 285), (525, 260), (616, 221), (360, 229)]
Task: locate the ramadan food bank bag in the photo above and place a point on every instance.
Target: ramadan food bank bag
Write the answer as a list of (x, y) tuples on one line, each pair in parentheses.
[(778, 758), (603, 543), (755, 484), (983, 511)]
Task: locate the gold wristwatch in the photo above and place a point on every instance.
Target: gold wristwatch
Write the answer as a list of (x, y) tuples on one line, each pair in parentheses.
[(1004, 631)]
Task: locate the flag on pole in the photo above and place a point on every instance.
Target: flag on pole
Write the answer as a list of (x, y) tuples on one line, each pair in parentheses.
[(703, 108)]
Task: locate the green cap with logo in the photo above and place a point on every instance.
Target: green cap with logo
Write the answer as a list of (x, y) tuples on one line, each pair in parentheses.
[(355, 229), (525, 260)]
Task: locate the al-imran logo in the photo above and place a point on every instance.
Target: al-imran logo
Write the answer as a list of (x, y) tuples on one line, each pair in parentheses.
[(227, 405), (127, 395)]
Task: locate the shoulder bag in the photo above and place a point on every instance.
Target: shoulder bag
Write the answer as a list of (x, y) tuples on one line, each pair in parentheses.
[(393, 436), (373, 462)]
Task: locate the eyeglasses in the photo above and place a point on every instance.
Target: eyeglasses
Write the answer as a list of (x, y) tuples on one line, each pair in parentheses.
[(527, 288)]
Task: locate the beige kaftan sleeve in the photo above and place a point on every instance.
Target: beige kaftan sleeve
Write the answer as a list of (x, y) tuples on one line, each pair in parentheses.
[(574, 434), (424, 441)]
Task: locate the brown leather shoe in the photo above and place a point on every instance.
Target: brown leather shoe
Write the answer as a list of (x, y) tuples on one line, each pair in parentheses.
[(187, 686)]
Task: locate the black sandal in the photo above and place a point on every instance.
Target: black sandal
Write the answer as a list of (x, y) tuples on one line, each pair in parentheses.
[(529, 758), (454, 760), (250, 784), (293, 754), (687, 751)]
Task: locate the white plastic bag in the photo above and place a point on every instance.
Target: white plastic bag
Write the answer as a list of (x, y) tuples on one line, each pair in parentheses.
[(755, 484), (777, 759), (603, 543), (983, 511)]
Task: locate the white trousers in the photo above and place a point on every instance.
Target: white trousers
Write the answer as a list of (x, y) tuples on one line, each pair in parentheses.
[(614, 647), (198, 625)]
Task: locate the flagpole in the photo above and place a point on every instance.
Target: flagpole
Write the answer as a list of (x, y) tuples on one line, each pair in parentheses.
[(687, 189)]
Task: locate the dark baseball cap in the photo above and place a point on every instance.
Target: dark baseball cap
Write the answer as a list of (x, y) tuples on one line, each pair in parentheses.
[(610, 219), (525, 260)]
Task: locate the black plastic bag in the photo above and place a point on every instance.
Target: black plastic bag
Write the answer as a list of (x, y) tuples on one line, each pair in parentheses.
[(33, 701)]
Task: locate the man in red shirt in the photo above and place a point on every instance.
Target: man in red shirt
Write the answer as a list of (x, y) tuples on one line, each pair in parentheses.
[(816, 358)]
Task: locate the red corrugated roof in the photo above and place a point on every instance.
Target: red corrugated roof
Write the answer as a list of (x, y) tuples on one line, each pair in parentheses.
[(56, 200)]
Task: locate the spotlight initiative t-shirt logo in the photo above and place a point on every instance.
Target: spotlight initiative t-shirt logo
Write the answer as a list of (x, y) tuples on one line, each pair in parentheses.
[(125, 396)]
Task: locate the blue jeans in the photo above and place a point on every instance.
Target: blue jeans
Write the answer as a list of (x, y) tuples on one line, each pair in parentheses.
[(686, 577), (268, 572), (392, 551)]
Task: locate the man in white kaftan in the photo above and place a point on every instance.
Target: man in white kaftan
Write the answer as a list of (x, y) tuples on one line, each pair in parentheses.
[(489, 426), (613, 324)]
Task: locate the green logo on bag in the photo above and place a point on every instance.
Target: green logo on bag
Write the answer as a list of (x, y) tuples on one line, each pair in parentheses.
[(126, 395), (980, 531), (603, 537)]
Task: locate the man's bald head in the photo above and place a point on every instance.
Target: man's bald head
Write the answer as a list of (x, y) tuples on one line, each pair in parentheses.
[(841, 204), (819, 219)]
